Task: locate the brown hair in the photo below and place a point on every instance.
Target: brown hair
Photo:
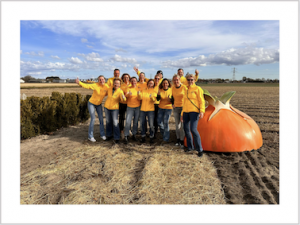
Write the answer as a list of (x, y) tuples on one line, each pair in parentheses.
[(161, 84), (124, 74), (149, 81), (117, 78)]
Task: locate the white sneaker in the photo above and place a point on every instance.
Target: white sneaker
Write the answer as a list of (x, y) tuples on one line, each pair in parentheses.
[(103, 138), (92, 139)]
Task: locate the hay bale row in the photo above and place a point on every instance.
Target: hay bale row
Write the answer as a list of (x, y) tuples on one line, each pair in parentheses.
[(43, 115)]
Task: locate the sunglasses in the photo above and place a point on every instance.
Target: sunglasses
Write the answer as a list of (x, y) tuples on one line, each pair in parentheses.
[(190, 79)]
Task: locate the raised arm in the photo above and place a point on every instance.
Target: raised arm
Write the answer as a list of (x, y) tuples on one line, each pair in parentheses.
[(86, 86)]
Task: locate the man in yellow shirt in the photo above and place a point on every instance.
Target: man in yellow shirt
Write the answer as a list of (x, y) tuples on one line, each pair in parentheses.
[(183, 80), (111, 80)]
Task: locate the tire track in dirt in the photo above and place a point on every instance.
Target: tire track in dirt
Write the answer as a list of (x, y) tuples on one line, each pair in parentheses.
[(247, 177)]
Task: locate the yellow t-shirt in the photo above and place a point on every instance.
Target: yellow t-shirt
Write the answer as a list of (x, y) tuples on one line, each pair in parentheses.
[(165, 99), (113, 98), (148, 97), (132, 100), (178, 94), (124, 87)]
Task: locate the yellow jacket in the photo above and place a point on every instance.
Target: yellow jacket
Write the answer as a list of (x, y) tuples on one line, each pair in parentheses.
[(113, 99), (147, 101), (132, 100), (193, 93), (124, 87), (178, 94), (165, 99), (142, 86), (98, 92), (110, 81), (184, 81), (156, 90)]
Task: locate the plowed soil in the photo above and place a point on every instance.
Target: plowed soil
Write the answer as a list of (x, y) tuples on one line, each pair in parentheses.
[(246, 178)]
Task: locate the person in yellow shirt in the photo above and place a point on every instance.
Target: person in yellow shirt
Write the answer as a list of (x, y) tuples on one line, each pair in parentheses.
[(164, 95), (133, 109), (193, 110), (111, 80), (178, 91), (148, 97), (123, 104), (157, 82), (95, 103), (183, 79), (111, 107), (142, 83)]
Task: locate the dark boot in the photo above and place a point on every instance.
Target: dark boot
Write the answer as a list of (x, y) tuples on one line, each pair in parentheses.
[(133, 138), (125, 140), (143, 140), (151, 140), (200, 154)]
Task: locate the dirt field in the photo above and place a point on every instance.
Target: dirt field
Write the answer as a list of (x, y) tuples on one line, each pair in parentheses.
[(244, 178)]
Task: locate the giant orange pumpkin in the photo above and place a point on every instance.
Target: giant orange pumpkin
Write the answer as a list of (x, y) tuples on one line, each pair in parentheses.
[(226, 129)]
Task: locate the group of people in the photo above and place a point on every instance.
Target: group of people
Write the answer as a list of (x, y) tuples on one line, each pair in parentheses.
[(137, 98)]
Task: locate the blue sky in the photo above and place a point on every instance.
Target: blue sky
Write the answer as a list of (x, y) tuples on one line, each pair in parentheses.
[(86, 49)]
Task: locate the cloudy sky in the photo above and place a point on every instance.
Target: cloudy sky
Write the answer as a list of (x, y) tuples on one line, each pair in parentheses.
[(87, 49)]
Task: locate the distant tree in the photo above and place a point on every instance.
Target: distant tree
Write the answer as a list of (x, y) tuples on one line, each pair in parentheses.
[(244, 78), (52, 78), (27, 78)]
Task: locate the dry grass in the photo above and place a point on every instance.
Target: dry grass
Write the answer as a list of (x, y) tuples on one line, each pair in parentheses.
[(123, 175), (47, 85)]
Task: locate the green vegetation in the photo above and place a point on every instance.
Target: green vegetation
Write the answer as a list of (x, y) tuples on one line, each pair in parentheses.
[(42, 115)]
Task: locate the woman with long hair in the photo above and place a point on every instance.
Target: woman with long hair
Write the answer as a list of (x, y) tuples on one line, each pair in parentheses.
[(157, 82), (95, 104), (133, 110), (193, 110), (148, 97), (123, 104), (164, 109), (111, 107), (178, 91)]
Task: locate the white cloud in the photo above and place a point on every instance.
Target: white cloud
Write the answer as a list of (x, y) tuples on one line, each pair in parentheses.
[(118, 58), (94, 57), (242, 56), (83, 40), (55, 57), (75, 60), (124, 65), (89, 46), (40, 53), (34, 73), (120, 50)]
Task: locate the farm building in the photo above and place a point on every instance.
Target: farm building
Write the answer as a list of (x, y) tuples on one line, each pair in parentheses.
[(59, 81), (22, 81)]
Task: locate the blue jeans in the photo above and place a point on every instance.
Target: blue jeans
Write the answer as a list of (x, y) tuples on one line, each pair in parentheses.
[(132, 112), (112, 123), (190, 122), (163, 117), (150, 115), (91, 108)]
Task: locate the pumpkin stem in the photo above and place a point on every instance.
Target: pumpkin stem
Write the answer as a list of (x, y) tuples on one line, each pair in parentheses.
[(226, 97), (207, 96)]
